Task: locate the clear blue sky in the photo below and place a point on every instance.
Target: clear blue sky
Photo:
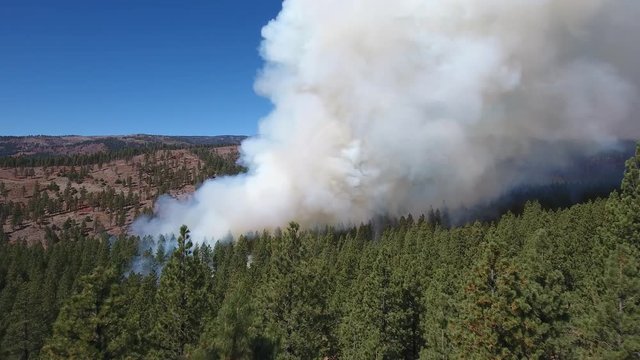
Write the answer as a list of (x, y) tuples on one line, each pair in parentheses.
[(99, 67)]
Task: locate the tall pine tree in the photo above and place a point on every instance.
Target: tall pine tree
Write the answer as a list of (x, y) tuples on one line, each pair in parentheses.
[(181, 302)]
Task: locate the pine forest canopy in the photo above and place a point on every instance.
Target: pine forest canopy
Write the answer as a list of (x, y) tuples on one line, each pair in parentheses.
[(555, 284)]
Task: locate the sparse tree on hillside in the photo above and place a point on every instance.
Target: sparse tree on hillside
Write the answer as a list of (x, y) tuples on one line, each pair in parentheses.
[(4, 192)]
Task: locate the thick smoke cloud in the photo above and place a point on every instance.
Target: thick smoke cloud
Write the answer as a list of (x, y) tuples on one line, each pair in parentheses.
[(390, 107)]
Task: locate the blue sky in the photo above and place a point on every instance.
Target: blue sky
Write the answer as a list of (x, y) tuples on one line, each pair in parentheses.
[(131, 66)]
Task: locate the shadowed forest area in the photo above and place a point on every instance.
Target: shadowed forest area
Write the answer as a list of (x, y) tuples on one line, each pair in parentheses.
[(545, 283)]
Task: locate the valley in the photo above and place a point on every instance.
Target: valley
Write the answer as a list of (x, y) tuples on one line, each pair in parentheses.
[(101, 192)]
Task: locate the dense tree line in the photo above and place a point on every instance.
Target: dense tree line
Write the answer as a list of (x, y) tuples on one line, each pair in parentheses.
[(36, 282), (103, 157), (551, 284), (122, 152)]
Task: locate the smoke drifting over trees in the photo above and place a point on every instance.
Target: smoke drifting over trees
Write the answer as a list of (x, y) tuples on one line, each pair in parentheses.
[(388, 108)]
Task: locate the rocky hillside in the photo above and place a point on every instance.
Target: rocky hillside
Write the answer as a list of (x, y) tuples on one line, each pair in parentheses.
[(90, 188)]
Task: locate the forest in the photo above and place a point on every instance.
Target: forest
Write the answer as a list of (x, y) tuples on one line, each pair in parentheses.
[(541, 283)]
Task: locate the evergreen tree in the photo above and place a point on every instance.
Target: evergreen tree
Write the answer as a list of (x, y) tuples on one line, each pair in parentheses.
[(4, 192), (439, 316), (90, 322), (375, 324), (229, 335), (295, 299), (546, 293), (624, 209), (27, 324), (181, 302), (494, 314), (138, 320), (613, 329)]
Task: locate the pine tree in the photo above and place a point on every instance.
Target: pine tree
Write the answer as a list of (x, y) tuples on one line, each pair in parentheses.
[(229, 334), (4, 192), (375, 324), (514, 307), (27, 324), (138, 321), (294, 299), (90, 322), (12, 281), (181, 302), (439, 315), (493, 310), (613, 329), (624, 209), (547, 295)]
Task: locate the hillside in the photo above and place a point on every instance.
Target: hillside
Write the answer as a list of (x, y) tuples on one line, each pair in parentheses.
[(76, 189), (83, 145), (544, 284), (53, 186)]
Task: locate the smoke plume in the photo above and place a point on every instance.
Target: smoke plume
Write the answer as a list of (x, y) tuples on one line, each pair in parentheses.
[(385, 108)]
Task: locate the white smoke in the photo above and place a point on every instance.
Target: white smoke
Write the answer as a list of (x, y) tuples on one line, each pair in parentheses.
[(388, 107)]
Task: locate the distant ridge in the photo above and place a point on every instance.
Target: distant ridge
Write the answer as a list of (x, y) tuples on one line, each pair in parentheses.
[(45, 145)]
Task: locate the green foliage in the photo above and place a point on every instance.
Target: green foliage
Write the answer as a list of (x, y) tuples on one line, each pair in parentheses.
[(231, 334), (90, 324), (612, 330), (294, 300), (180, 302), (624, 209), (543, 284), (377, 324), (26, 328)]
